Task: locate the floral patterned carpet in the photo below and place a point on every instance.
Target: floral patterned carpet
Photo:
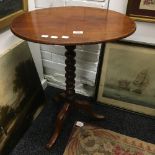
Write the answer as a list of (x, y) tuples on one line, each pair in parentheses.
[(91, 140)]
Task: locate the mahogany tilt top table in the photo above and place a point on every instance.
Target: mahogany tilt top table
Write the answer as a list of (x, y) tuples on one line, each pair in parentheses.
[(71, 26)]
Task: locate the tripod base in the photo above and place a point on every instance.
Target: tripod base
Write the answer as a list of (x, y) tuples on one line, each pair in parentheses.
[(84, 105)]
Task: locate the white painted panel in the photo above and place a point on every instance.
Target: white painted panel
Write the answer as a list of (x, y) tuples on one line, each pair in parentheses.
[(80, 87), (60, 50), (79, 63), (43, 3), (118, 5), (94, 48), (46, 55), (85, 3), (82, 55), (57, 77), (60, 68), (87, 56), (7, 39), (35, 50), (91, 48), (49, 3)]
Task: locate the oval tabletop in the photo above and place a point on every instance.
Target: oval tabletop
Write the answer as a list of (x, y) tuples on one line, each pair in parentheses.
[(72, 25)]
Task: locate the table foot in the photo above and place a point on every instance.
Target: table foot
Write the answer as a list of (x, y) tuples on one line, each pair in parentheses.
[(59, 97), (58, 127), (86, 106)]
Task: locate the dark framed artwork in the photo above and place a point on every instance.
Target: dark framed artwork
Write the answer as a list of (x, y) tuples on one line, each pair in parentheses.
[(21, 94), (142, 10), (127, 79), (9, 9)]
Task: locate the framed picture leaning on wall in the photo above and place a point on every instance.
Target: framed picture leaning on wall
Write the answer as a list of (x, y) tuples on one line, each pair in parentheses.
[(21, 94), (9, 9), (128, 77), (142, 10)]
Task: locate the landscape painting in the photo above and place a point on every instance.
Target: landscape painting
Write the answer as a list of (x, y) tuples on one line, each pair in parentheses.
[(10, 9), (21, 92), (147, 4), (128, 77), (9, 6)]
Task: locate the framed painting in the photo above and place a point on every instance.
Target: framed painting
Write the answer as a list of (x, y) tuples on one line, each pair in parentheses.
[(21, 94), (142, 10), (9, 9), (127, 79)]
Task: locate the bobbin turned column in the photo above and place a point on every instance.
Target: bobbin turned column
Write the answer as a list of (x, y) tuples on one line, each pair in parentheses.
[(70, 71), (70, 84)]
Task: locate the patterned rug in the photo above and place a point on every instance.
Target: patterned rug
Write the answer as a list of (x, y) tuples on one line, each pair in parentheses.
[(91, 140)]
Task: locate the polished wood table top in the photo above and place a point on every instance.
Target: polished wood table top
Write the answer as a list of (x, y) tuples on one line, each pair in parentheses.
[(72, 26)]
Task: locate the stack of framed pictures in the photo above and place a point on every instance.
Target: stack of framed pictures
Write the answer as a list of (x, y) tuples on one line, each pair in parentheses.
[(128, 77)]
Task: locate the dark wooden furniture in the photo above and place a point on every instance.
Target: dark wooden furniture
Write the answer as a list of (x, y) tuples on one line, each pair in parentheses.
[(71, 26)]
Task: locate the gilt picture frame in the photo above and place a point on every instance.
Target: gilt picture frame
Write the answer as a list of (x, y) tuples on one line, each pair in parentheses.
[(127, 79), (10, 10), (141, 10)]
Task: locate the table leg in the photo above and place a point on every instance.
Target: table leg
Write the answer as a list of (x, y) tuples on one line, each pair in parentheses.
[(86, 106), (69, 93), (59, 122)]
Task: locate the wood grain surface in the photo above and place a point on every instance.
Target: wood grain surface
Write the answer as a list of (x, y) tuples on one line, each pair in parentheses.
[(72, 25)]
